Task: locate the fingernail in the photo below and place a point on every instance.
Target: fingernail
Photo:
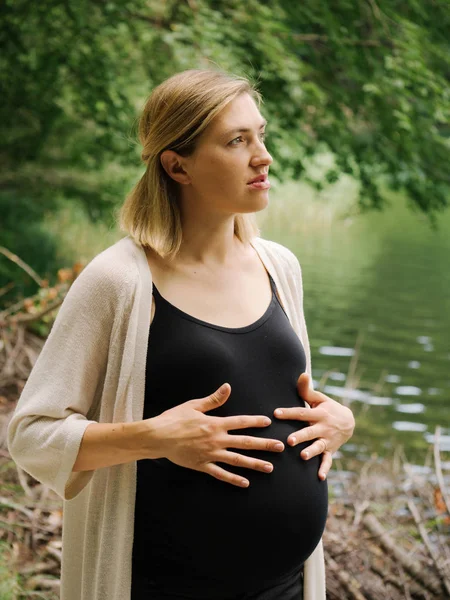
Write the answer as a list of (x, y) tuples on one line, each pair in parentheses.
[(305, 454), (268, 468), (323, 476), (278, 412), (245, 482), (292, 440), (279, 446)]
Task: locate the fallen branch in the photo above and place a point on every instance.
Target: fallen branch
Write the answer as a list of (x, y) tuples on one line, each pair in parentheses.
[(414, 568), (423, 532), (350, 584)]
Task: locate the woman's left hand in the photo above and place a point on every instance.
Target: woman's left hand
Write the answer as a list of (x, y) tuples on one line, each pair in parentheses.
[(331, 424)]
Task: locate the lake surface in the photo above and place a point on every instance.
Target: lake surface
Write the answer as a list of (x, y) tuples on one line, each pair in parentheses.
[(377, 307)]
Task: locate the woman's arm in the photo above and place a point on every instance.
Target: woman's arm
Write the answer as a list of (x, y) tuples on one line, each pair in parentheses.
[(59, 398), (184, 435), (109, 444)]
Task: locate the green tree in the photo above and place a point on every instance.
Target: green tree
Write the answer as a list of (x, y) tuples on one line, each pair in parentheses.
[(367, 80)]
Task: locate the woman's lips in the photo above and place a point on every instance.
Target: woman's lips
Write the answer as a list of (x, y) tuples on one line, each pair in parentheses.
[(260, 185)]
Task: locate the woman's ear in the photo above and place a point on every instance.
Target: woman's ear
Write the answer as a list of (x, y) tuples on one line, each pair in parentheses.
[(173, 164)]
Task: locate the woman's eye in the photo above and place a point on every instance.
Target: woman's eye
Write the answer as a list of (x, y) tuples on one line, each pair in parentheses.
[(263, 134)]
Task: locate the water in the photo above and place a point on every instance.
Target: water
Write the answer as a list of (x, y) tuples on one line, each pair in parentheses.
[(377, 307)]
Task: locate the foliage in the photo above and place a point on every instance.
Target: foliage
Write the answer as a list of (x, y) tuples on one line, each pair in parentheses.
[(21, 229), (366, 80)]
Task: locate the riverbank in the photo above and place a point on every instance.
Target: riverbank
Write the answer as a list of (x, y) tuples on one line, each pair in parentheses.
[(387, 533), (388, 528)]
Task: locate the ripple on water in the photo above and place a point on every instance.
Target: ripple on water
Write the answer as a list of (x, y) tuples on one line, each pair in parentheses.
[(411, 408), (414, 364), (408, 426), (391, 378), (444, 441), (433, 391), (336, 351), (408, 390), (341, 392), (380, 401), (350, 447), (337, 376)]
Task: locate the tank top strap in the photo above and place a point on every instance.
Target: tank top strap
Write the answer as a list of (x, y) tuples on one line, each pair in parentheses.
[(272, 284), (276, 294), (156, 291)]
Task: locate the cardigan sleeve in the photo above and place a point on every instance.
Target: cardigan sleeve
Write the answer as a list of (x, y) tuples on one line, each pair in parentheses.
[(60, 395)]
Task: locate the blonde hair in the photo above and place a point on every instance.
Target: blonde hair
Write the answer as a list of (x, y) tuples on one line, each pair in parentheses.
[(175, 114)]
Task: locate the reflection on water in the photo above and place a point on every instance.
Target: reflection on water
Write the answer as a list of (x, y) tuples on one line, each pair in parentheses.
[(393, 378), (335, 351), (414, 364), (385, 279), (408, 390), (380, 401), (408, 426), (411, 408), (444, 440), (348, 394), (337, 376)]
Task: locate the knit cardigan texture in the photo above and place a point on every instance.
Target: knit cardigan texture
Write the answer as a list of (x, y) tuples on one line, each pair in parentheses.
[(91, 369)]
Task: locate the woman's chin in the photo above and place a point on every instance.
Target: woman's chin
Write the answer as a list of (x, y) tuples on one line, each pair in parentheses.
[(258, 201), (263, 199)]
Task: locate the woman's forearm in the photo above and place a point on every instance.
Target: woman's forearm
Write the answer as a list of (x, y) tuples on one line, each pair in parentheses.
[(109, 444)]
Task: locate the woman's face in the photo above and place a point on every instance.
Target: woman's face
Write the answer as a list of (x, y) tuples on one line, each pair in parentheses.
[(226, 159)]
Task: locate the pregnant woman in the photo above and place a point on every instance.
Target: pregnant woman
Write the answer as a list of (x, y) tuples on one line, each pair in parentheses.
[(171, 406)]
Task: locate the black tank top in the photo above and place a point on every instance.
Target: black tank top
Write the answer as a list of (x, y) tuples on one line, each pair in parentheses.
[(196, 536)]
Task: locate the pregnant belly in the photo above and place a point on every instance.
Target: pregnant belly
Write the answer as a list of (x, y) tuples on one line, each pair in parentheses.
[(208, 534)]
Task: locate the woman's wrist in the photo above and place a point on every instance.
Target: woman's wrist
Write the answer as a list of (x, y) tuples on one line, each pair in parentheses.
[(110, 444)]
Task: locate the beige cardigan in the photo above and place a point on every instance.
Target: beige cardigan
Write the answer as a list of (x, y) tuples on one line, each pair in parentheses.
[(92, 369)]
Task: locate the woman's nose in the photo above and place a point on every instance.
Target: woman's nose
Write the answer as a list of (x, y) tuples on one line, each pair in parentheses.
[(264, 156)]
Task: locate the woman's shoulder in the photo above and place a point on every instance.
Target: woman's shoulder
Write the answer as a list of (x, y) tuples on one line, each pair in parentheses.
[(112, 272)]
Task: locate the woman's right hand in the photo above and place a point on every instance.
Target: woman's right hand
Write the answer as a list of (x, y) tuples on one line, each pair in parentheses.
[(189, 438)]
